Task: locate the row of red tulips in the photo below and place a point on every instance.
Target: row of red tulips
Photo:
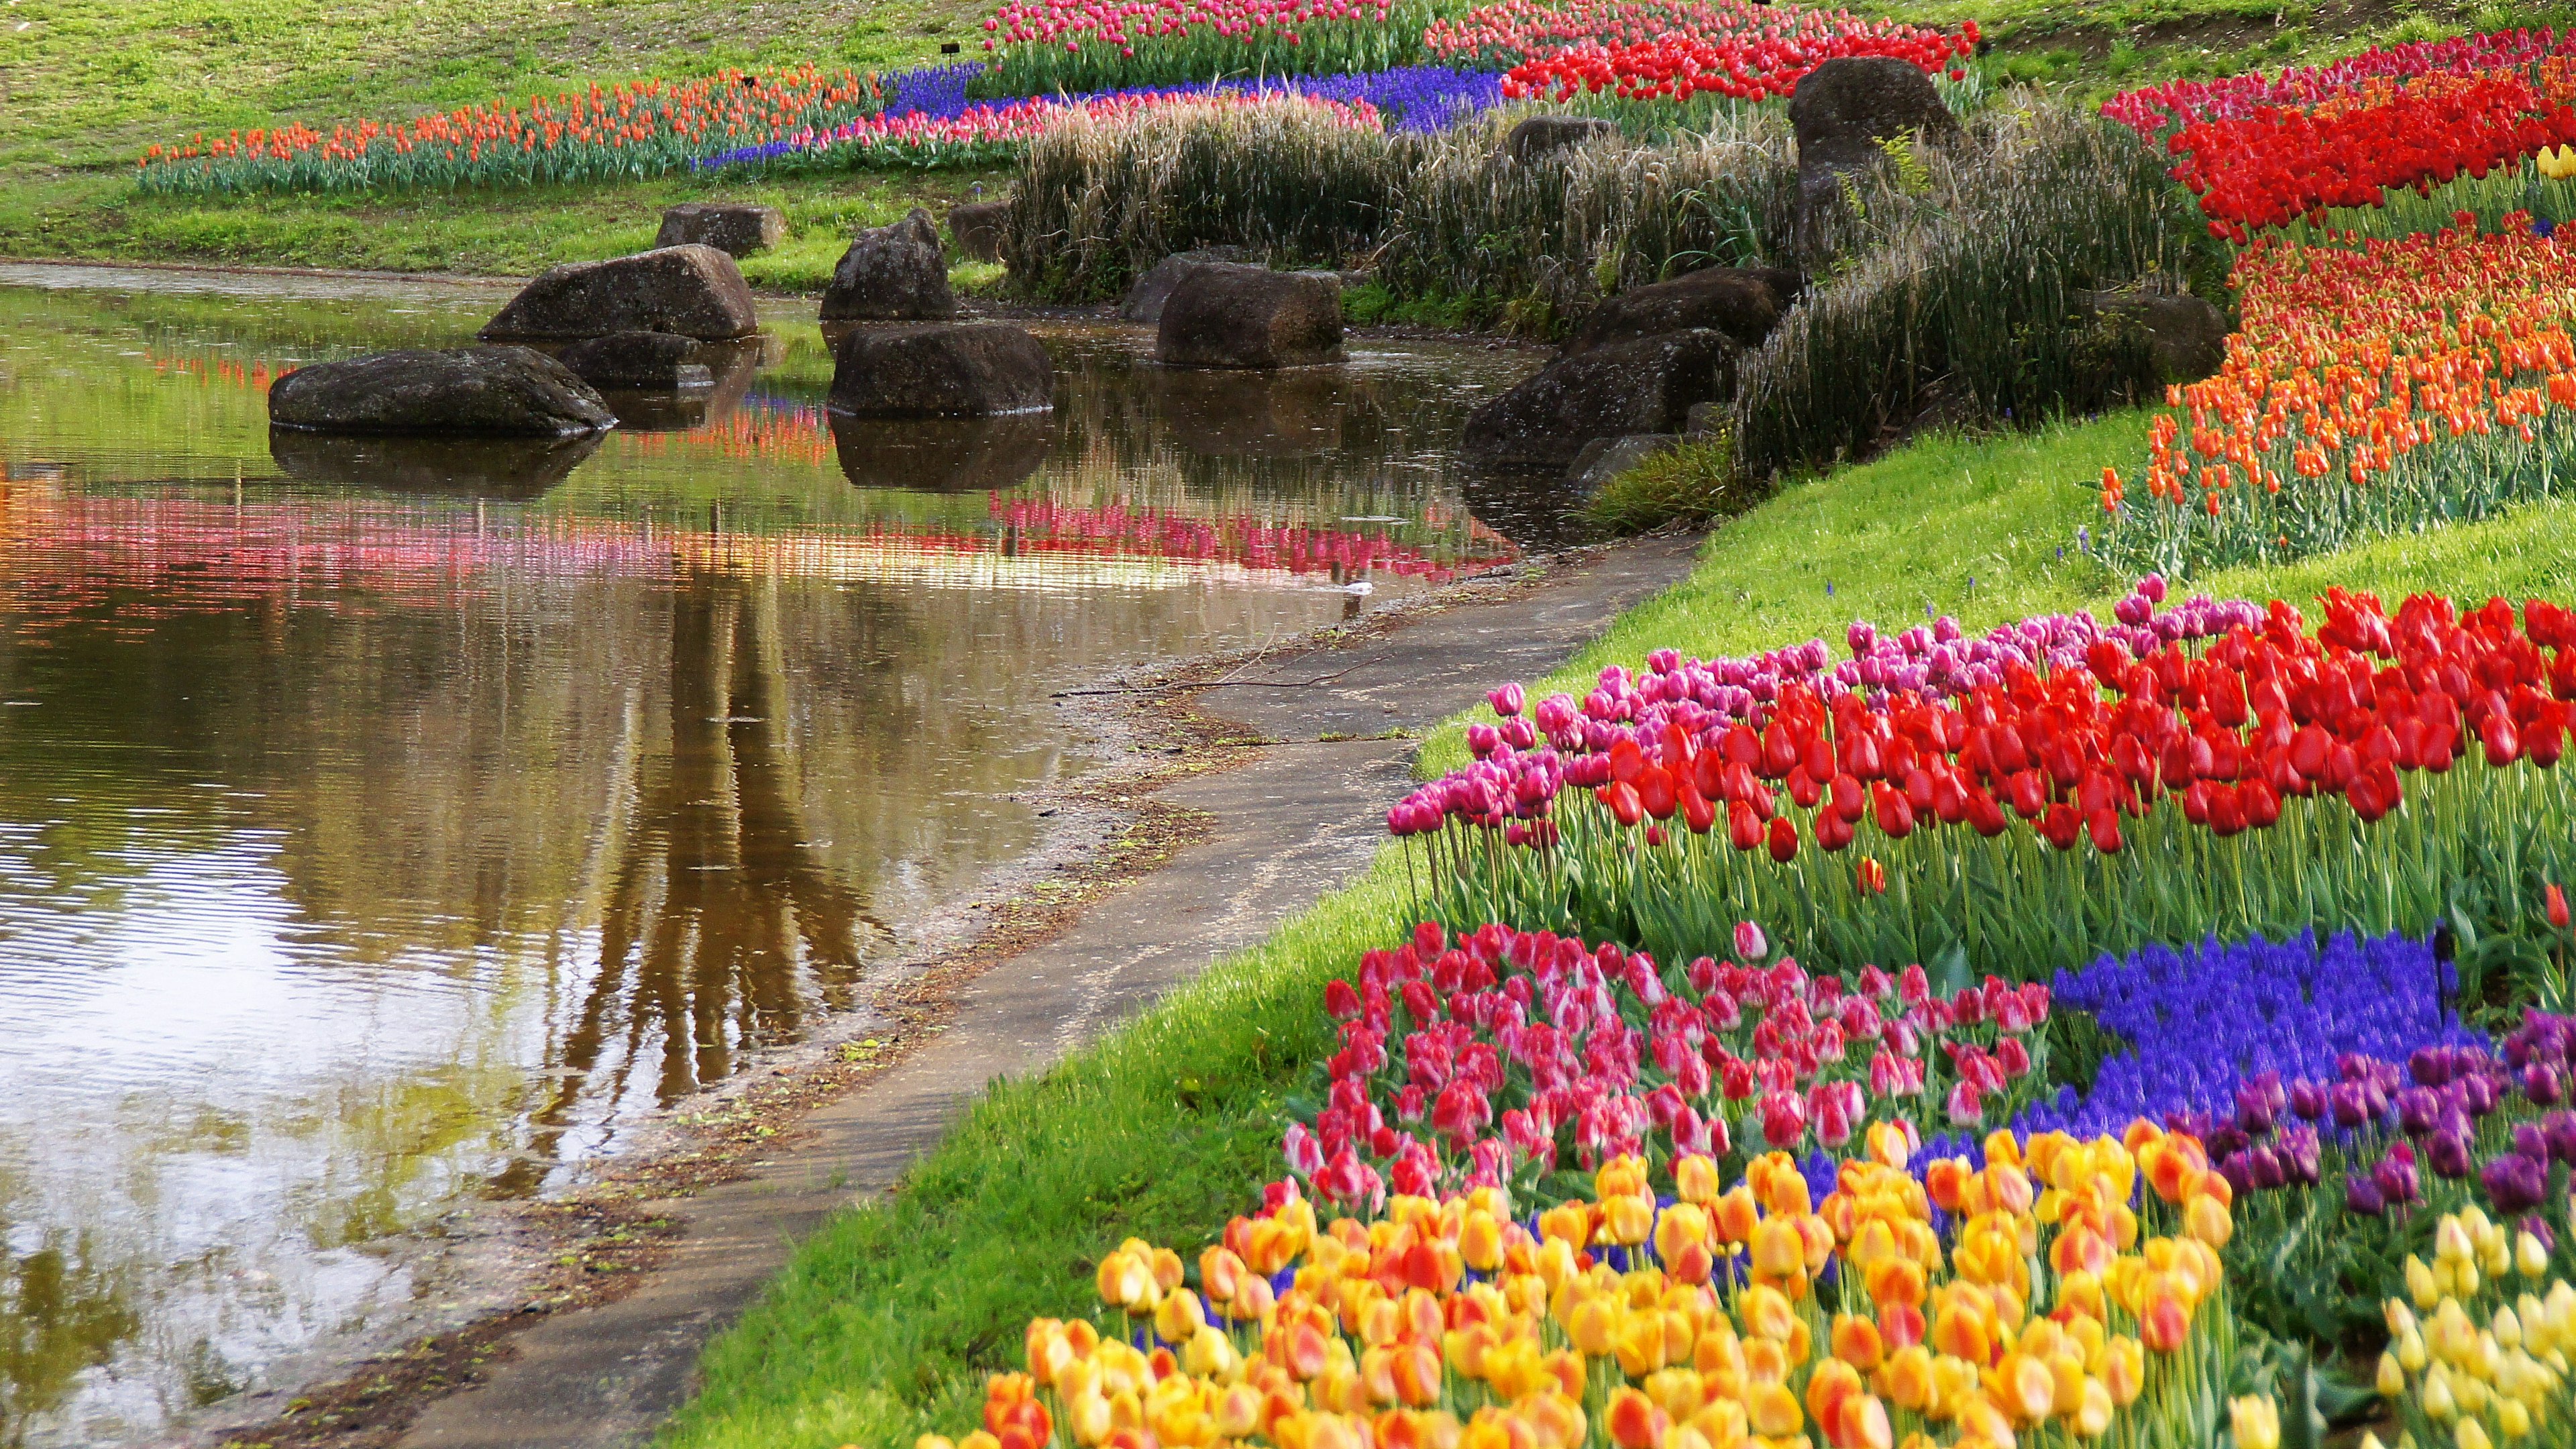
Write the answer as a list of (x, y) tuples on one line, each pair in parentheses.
[(1938, 793)]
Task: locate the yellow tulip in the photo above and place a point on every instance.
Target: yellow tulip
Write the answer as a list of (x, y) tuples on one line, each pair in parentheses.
[(2512, 1419), (2529, 1257), (2473, 1435), (2392, 1379), (2256, 1421)]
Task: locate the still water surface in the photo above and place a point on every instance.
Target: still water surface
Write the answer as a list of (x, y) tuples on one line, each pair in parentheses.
[(385, 827)]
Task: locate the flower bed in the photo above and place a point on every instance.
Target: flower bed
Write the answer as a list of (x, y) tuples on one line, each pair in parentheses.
[(2369, 391), (1890, 1307), (603, 134), (1041, 46), (985, 134), (1507, 1057), (2054, 790), (1674, 49)]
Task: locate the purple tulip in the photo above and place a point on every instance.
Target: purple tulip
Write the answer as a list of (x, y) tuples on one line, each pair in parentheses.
[(2417, 1110), (2447, 1153), (2478, 1094), (2254, 1110), (2361, 1195), (2395, 1177), (2429, 1066), (2540, 1083), (2350, 1104), (2264, 1169), (2308, 1100), (2298, 1153), (2529, 1141), (2558, 1130), (2239, 1172), (2227, 1143), (2515, 1184)]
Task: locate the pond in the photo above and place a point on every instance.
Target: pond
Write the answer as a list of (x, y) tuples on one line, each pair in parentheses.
[(386, 827)]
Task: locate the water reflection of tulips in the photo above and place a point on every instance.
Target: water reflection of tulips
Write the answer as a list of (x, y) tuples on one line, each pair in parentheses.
[(2056, 789), (2376, 390), (2025, 1297)]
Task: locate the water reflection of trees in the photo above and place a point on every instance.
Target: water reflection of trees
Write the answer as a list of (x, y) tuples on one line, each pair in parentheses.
[(718, 910), (60, 1316)]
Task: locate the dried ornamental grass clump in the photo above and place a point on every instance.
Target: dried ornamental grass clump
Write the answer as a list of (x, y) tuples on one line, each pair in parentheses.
[(1973, 1307)]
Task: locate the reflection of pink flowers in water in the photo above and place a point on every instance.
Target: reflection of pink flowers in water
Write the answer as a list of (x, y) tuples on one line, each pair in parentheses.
[(1038, 525)]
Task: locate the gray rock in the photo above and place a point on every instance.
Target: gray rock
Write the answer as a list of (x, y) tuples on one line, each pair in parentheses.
[(1842, 111), (736, 228), (1646, 386), (2185, 336), (942, 455), (1705, 419), (510, 468), (1540, 135), (976, 227), (506, 391), (954, 370), (892, 273), (1250, 317), (651, 361), (1603, 459), (1145, 298), (1742, 302), (695, 291)]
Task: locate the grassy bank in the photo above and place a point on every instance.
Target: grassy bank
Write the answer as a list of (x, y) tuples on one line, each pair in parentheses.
[(889, 1318)]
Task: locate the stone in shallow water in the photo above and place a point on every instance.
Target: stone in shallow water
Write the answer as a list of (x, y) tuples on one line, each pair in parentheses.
[(892, 273), (1251, 317), (1645, 386), (973, 369), (695, 291), (493, 391)]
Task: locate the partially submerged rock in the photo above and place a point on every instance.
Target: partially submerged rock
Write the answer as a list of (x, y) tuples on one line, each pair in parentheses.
[(1645, 386), (1146, 296), (492, 391), (694, 291), (1252, 318), (895, 273), (974, 369), (736, 228), (1742, 302)]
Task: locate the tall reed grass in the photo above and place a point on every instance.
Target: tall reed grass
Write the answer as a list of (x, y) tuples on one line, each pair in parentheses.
[(1957, 280)]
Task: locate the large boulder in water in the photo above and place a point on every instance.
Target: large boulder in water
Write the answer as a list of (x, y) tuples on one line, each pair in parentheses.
[(975, 369), (1627, 388), (895, 273), (1742, 302), (1145, 298), (1251, 317), (492, 391), (736, 228), (695, 291)]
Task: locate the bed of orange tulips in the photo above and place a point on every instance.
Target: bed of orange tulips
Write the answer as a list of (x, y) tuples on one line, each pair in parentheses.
[(2059, 1289), (2378, 388)]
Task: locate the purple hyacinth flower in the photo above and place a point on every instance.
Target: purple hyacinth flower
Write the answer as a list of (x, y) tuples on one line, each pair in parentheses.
[(2515, 1184)]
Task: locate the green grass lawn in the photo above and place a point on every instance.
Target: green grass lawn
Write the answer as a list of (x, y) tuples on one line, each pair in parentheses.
[(888, 1319)]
